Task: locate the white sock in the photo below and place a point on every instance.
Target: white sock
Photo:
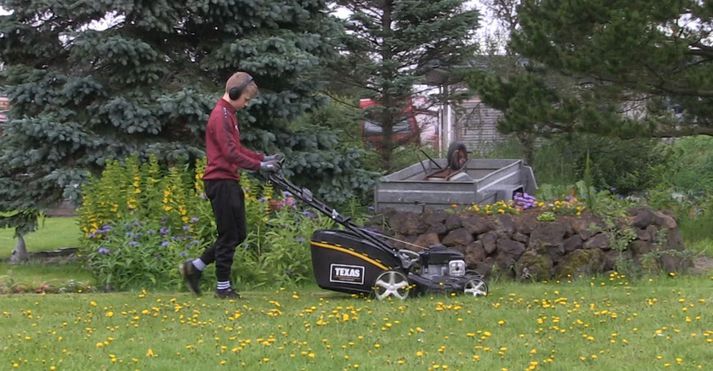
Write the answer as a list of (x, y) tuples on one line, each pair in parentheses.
[(223, 285), (198, 263)]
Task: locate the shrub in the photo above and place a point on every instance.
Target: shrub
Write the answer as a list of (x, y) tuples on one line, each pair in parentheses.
[(282, 256), (139, 221), (614, 165), (135, 253)]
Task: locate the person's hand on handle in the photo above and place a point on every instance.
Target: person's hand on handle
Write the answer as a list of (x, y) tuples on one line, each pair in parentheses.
[(270, 166), (279, 157)]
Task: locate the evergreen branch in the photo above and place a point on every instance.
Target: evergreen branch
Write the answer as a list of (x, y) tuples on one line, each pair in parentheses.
[(683, 132)]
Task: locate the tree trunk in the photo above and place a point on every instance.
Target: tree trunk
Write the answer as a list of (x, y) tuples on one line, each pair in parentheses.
[(20, 254), (527, 140)]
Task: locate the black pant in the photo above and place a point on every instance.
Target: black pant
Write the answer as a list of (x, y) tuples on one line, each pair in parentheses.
[(228, 202)]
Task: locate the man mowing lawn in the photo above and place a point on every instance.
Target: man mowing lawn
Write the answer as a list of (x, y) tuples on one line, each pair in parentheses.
[(226, 156)]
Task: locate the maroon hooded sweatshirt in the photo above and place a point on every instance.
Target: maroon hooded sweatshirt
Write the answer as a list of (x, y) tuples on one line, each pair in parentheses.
[(222, 144)]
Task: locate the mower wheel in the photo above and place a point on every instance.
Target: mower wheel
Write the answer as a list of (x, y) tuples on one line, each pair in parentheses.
[(391, 283), (475, 287)]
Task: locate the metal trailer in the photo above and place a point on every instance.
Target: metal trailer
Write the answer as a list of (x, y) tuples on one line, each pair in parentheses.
[(483, 181)]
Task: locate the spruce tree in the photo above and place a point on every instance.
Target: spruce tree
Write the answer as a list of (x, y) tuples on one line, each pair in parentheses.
[(391, 44), (90, 81)]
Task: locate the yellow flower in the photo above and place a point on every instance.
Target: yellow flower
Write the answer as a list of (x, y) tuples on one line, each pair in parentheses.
[(150, 353)]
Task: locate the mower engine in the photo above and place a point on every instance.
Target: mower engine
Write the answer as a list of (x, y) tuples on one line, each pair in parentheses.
[(439, 261), (440, 269)]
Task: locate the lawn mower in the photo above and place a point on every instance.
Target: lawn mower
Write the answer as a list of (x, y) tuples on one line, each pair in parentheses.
[(357, 260)]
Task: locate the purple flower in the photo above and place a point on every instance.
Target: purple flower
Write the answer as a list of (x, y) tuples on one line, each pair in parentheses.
[(183, 253), (194, 219), (186, 227), (289, 202), (163, 231), (309, 213), (103, 250), (133, 244), (164, 244)]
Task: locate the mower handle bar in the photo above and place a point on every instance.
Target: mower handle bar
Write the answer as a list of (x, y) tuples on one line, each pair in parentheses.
[(306, 196)]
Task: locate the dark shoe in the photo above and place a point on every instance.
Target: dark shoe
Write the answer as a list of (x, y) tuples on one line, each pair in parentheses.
[(192, 276), (228, 293)]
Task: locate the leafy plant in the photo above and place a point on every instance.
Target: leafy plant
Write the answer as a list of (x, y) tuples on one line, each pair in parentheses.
[(284, 256), (547, 216), (131, 253)]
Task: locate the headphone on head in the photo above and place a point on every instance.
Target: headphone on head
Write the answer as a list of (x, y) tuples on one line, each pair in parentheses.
[(235, 92)]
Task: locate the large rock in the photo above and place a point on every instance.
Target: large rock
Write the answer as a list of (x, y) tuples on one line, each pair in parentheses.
[(439, 229), (574, 242), (484, 268), (435, 220), (548, 238), (476, 224), (674, 240), (520, 237), (599, 241), (489, 240), (407, 223), (435, 216), (587, 225), (547, 234), (509, 247), (458, 237), (504, 265), (611, 257), (504, 225), (453, 222), (474, 253), (665, 221), (642, 217), (425, 240), (582, 262), (674, 261), (533, 266), (648, 234), (526, 223), (640, 248)]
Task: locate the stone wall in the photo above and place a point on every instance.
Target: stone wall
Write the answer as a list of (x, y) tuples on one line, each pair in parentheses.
[(522, 247)]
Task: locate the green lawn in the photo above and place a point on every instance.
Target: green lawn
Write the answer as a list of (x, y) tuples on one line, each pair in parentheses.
[(52, 233), (35, 275), (602, 324)]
